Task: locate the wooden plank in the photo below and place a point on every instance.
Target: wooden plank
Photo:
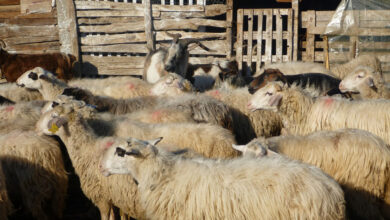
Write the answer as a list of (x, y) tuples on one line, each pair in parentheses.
[(10, 8), (67, 27), (30, 39), (47, 47), (266, 59), (210, 11), (129, 61), (259, 38), (166, 24), (9, 14), (295, 16), (204, 60), (140, 37), (240, 41), (35, 6), (310, 38), (229, 31), (99, 5), (282, 11), (111, 13), (29, 21), (272, 34), (9, 2), (279, 35), (268, 37), (292, 46), (148, 22), (108, 20), (7, 31), (357, 32), (250, 36)]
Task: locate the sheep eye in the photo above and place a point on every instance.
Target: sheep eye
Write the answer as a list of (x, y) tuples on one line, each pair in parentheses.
[(268, 93), (33, 76), (54, 104), (120, 152), (360, 76)]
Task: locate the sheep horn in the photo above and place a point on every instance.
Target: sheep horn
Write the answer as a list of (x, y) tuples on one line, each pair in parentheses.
[(187, 42), (3, 45), (175, 37)]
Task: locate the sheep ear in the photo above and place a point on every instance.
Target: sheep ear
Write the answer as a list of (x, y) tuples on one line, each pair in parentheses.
[(370, 82), (240, 148), (274, 101), (44, 77), (155, 141)]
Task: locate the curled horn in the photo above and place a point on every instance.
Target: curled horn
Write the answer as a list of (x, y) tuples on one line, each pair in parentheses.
[(197, 42), (3, 45), (175, 37)]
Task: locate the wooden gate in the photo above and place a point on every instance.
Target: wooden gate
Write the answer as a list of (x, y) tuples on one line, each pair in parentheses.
[(112, 33), (264, 36)]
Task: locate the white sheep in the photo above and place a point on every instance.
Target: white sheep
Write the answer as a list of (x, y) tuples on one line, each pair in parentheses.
[(342, 70), (35, 173), (17, 94), (302, 115), (358, 160), (22, 110), (172, 187), (5, 203), (296, 67), (364, 80)]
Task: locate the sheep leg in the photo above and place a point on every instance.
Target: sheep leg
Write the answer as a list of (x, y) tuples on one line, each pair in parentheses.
[(105, 210)]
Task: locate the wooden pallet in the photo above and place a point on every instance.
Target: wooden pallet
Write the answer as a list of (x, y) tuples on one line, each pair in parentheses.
[(264, 36)]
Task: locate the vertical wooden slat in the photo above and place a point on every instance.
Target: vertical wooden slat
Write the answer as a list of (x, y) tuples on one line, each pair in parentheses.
[(171, 2), (191, 2), (229, 33), (279, 36), (148, 20), (240, 30), (259, 39), (181, 2), (290, 37), (295, 46), (201, 2), (250, 37), (268, 36), (311, 16), (326, 52), (163, 2), (66, 16), (353, 46)]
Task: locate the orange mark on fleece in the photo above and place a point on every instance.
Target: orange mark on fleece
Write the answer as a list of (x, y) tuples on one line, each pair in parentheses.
[(328, 102), (10, 108), (108, 144), (156, 115), (216, 94), (130, 86)]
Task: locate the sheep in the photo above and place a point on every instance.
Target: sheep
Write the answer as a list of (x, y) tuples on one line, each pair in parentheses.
[(296, 67), (206, 139), (229, 189), (316, 84), (174, 59), (17, 94), (301, 114), (343, 70), (115, 87), (36, 179), (14, 65), (263, 123), (22, 110), (5, 204), (356, 159), (367, 82)]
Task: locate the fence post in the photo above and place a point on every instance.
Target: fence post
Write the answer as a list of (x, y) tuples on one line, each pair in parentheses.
[(295, 7), (67, 29), (148, 19), (229, 33)]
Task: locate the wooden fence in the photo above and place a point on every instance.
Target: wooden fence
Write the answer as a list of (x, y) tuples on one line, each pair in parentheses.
[(28, 33), (264, 36), (112, 34), (371, 36)]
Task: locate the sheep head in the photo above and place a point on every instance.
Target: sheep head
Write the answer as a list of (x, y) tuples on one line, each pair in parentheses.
[(269, 75), (31, 78), (256, 148), (267, 98), (122, 158), (360, 78), (171, 85), (87, 111)]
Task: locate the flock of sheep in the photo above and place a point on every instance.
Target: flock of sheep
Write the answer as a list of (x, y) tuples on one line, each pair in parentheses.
[(293, 141)]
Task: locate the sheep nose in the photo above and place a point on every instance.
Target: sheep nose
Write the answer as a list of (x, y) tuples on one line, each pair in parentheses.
[(251, 90), (341, 87), (21, 85), (169, 68)]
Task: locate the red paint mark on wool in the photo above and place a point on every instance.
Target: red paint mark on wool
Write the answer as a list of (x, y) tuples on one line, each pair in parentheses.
[(216, 94), (156, 115), (10, 108), (328, 102), (108, 144), (130, 86)]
